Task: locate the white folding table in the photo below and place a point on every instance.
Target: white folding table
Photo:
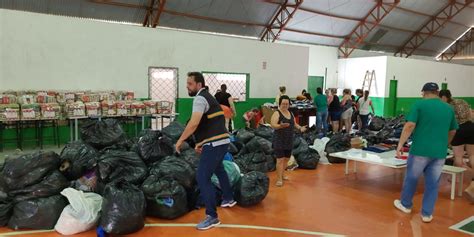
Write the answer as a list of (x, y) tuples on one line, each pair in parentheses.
[(388, 159)]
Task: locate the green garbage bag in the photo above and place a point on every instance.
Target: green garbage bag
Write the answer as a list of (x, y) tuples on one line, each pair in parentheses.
[(233, 172)]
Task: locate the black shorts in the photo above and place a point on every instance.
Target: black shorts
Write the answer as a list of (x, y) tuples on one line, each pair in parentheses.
[(464, 135), (279, 153), (335, 116)]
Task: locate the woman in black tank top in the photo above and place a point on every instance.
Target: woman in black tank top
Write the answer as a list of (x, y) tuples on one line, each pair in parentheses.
[(284, 124)]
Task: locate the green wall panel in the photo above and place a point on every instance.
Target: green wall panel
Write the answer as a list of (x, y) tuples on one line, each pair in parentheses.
[(185, 109)]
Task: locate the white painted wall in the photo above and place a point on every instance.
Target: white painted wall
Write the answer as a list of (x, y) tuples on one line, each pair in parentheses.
[(320, 59), (351, 73), (52, 52), (412, 74)]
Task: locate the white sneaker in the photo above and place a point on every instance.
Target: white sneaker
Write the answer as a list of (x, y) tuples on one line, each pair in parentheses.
[(400, 206), (427, 219)]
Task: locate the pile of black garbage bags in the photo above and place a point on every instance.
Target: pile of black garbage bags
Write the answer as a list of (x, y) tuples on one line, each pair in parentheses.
[(133, 178)]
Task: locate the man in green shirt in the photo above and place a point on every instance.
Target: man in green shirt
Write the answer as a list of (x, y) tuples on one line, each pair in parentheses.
[(321, 103), (432, 124)]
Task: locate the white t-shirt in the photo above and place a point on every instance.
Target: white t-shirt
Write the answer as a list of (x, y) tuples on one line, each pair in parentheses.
[(364, 106)]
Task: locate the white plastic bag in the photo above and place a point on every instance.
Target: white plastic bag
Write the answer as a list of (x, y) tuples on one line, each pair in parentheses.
[(82, 214), (320, 145)]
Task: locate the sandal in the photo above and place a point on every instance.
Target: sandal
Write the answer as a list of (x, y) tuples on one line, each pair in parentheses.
[(279, 183), (285, 178)]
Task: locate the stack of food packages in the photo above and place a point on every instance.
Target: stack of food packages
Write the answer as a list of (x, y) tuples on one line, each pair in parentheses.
[(164, 107), (109, 108), (93, 109), (30, 111), (124, 108), (75, 109), (9, 112), (137, 108), (150, 106), (50, 111)]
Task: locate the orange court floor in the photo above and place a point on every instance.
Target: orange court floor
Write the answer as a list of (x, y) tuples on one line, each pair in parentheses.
[(322, 202)]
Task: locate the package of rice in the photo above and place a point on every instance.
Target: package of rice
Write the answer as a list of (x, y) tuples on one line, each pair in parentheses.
[(129, 95), (30, 111), (27, 99), (50, 111), (76, 109), (137, 108), (70, 97), (123, 108), (109, 108), (9, 112), (94, 97), (150, 106), (164, 107), (8, 99), (93, 109)]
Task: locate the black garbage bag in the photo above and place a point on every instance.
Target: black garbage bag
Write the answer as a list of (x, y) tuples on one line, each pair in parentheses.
[(121, 165), (310, 137), (6, 203), (123, 209), (190, 156), (101, 134), (244, 135), (77, 158), (123, 145), (385, 134), (271, 163), (308, 159), (38, 214), (29, 169), (252, 189), (376, 123), (175, 168), (233, 149), (153, 146), (165, 198), (256, 161), (3, 189), (258, 144), (6, 207), (51, 185), (302, 146), (337, 143), (265, 132), (173, 130)]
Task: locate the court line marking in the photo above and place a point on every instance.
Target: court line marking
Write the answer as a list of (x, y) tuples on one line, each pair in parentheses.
[(457, 227), (304, 232)]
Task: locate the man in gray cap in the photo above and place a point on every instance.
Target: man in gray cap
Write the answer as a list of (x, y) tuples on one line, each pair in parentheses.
[(432, 125)]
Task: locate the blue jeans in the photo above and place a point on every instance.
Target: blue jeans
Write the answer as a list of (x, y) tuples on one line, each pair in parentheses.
[(365, 120), (210, 163), (322, 119), (431, 168)]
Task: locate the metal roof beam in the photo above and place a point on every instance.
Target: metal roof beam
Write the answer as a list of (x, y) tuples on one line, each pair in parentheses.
[(280, 20), (430, 16), (362, 30), (149, 13), (156, 19), (301, 8), (457, 46), (434, 25)]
